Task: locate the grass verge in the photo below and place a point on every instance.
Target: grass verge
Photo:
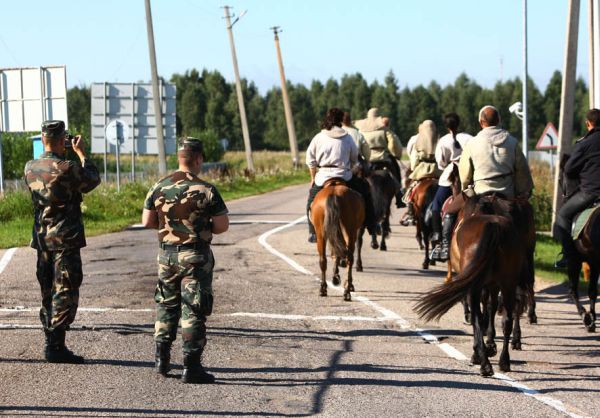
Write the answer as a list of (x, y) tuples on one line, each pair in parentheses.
[(105, 210)]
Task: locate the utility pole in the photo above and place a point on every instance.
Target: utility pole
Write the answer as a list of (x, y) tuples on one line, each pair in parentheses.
[(525, 139), (591, 53), (156, 93), (289, 120), (595, 35), (567, 99), (238, 88)]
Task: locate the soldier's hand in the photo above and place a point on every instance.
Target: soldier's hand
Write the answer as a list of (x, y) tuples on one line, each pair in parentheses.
[(79, 146)]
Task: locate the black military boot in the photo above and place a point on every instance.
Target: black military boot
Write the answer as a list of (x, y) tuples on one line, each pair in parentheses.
[(163, 357), (436, 227), (56, 350), (447, 227), (193, 372)]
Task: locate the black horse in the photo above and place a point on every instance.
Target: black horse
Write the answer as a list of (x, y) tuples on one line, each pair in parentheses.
[(588, 248)]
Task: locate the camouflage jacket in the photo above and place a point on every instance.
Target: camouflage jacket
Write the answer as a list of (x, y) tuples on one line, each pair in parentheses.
[(56, 186), (185, 205)]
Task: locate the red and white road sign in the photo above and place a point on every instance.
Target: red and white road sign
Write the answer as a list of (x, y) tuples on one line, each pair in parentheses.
[(549, 138)]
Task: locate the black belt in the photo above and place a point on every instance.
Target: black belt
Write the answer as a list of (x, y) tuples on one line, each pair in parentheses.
[(183, 247), (329, 166)]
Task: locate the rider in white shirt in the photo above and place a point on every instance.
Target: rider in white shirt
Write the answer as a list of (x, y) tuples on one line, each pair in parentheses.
[(447, 154)]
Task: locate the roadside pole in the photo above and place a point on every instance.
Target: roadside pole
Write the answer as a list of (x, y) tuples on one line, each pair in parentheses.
[(567, 99), (238, 88), (289, 120), (160, 139)]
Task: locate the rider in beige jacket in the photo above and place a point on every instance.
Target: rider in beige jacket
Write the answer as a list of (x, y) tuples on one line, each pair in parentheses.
[(493, 162)]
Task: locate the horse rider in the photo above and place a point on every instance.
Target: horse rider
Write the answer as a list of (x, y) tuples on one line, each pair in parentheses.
[(409, 216), (331, 154), (384, 144), (447, 154), (422, 159), (582, 173), (364, 151)]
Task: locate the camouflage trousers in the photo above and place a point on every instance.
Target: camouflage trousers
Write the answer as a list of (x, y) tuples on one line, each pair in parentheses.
[(59, 274), (184, 290)]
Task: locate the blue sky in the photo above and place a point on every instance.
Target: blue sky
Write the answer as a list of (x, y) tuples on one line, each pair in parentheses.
[(419, 40)]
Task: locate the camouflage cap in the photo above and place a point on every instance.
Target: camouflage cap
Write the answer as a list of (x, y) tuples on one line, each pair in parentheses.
[(53, 128), (191, 144)]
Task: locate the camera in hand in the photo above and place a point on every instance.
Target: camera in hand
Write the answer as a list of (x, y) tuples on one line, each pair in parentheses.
[(69, 140)]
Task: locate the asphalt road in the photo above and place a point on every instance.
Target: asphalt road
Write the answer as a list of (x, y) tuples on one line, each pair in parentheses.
[(275, 346)]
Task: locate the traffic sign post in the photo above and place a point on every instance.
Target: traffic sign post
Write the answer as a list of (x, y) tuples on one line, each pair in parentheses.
[(549, 141), (117, 132)]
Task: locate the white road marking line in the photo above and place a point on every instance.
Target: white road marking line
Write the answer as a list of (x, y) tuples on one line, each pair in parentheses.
[(554, 403), (445, 347), (308, 317), (6, 258), (263, 241), (24, 309)]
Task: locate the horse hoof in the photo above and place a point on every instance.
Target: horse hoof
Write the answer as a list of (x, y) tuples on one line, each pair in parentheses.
[(432, 263), (475, 360), (374, 245), (447, 280), (587, 319), (383, 248), (486, 370), (343, 263), (591, 327), (532, 319), (505, 367), (336, 280), (516, 345), (426, 266), (359, 268), (491, 350), (351, 288), (323, 293), (347, 297)]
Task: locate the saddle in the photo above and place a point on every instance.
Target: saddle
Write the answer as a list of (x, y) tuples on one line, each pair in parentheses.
[(335, 182), (582, 218)]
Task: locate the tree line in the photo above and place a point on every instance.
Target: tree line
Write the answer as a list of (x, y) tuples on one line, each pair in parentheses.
[(207, 103)]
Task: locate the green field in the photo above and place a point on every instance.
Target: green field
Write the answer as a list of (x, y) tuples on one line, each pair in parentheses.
[(105, 210)]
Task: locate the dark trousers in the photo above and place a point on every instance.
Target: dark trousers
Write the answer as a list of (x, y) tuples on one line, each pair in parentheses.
[(358, 184), (564, 220), (59, 274), (442, 193)]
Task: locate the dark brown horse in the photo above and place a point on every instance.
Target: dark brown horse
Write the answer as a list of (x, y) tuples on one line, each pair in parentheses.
[(493, 260), (421, 196), (588, 247), (337, 213), (383, 189)]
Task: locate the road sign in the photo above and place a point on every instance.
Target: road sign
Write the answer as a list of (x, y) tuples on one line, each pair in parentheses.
[(117, 131), (549, 138)]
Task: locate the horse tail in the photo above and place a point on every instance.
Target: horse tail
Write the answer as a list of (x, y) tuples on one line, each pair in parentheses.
[(435, 304), (332, 225)]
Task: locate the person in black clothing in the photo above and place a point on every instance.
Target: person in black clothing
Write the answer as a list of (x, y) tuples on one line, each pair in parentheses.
[(582, 169)]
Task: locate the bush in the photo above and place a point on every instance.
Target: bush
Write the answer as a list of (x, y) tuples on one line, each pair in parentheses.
[(17, 149), (213, 150)]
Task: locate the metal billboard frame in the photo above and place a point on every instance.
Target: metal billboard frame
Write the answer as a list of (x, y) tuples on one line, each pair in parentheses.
[(28, 96), (133, 104)]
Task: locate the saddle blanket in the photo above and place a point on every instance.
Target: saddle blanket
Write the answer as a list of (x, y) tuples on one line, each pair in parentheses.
[(581, 220)]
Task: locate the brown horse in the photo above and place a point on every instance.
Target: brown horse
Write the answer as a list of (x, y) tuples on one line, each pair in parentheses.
[(588, 247), (493, 260), (421, 197), (337, 214)]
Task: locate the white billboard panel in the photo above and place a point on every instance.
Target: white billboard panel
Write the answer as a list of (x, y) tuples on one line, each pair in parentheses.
[(132, 103), (28, 96)]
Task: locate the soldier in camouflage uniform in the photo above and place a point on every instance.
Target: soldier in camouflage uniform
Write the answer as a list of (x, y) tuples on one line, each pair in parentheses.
[(187, 211), (56, 187)]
